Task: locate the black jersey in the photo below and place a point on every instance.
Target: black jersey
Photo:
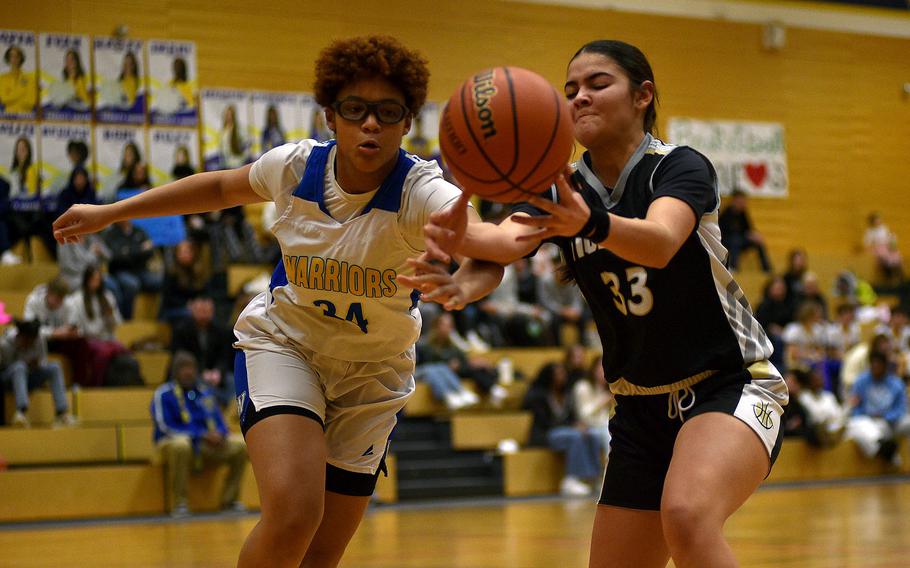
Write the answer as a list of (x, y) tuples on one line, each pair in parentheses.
[(663, 326)]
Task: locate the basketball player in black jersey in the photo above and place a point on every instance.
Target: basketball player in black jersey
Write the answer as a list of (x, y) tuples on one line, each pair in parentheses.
[(697, 426)]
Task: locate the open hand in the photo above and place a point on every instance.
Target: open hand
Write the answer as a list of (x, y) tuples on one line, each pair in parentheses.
[(446, 229), (432, 278), (563, 219), (81, 220)]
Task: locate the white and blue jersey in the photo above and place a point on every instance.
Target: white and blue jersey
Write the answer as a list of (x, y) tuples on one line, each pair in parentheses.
[(335, 291)]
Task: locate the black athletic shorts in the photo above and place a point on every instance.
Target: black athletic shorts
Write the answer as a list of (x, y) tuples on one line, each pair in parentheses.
[(644, 428)]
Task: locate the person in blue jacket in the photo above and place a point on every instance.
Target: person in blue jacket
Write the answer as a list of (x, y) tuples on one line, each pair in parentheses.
[(190, 433)]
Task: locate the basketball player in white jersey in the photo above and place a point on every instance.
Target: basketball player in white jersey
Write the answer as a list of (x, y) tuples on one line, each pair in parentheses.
[(326, 356), (697, 424)]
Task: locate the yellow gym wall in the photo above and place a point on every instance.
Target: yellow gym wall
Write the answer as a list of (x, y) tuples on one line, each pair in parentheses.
[(838, 95)]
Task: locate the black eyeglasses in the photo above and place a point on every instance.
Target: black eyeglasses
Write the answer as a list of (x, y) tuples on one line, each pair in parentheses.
[(386, 112)]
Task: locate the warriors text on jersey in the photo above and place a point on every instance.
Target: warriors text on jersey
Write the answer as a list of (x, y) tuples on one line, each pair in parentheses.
[(670, 325), (335, 291)]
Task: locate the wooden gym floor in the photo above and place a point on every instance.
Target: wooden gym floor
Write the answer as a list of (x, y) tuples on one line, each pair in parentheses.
[(845, 525)]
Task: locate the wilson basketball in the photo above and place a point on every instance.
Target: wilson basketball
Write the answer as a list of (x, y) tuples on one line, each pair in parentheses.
[(506, 133)]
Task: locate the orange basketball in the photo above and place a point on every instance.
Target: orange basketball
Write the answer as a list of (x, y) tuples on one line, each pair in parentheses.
[(506, 133)]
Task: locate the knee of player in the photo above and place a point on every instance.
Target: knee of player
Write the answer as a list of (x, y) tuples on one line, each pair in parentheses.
[(684, 518), (294, 514)]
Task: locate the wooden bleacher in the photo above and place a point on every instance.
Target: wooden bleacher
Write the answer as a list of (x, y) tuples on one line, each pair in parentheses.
[(25, 277)]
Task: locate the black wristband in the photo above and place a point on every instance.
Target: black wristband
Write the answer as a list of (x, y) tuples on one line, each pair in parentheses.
[(597, 227)]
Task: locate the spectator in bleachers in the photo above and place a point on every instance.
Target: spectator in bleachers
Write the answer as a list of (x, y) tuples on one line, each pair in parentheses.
[(898, 327), (79, 189), (824, 416), (517, 323), (24, 365), (131, 250), (75, 257), (45, 303), (7, 256), (806, 338), (190, 432), (137, 177), (234, 240), (186, 276), (811, 292), (881, 242), (774, 313), (594, 402), (560, 298), (794, 420), (92, 310), (878, 405), (797, 265), (575, 360), (210, 343), (738, 234), (856, 360), (843, 332), (556, 425), (439, 346)]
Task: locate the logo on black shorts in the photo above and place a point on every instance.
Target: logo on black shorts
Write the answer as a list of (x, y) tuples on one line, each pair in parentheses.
[(763, 414)]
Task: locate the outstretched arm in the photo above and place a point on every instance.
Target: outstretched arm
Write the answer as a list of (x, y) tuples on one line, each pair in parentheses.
[(198, 193), (449, 233), (473, 280)]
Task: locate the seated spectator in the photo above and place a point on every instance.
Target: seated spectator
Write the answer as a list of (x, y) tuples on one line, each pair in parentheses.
[(74, 258), (575, 360), (878, 404), (594, 402), (514, 323), (137, 177), (738, 234), (794, 420), (210, 342), (92, 310), (811, 292), (186, 276), (79, 189), (234, 240), (45, 303), (774, 313), (131, 249), (190, 433), (898, 327), (824, 416), (439, 363), (806, 338), (24, 365), (561, 299), (843, 332), (556, 425), (797, 265), (882, 244), (856, 360)]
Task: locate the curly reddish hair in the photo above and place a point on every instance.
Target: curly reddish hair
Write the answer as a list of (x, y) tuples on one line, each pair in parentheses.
[(349, 60)]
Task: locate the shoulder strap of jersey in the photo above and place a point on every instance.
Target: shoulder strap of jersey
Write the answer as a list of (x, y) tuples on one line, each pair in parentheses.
[(312, 184)]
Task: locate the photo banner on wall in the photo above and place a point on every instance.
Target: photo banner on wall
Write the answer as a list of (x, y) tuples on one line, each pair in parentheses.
[(749, 156), (18, 85), (65, 78), (173, 154), (277, 119), (19, 159), (226, 138), (423, 138), (119, 81), (173, 84), (117, 151), (56, 164)]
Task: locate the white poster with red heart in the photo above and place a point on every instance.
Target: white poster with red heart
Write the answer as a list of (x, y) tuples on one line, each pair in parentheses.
[(750, 156)]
